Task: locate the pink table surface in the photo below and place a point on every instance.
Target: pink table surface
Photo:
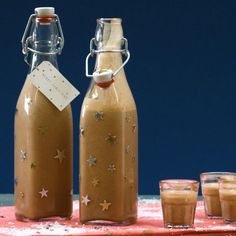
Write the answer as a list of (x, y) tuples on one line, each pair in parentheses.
[(149, 223)]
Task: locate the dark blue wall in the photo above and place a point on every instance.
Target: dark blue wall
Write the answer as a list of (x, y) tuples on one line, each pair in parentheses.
[(182, 74)]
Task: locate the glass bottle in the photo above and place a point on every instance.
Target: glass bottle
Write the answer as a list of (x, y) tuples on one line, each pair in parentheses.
[(108, 135), (43, 134)]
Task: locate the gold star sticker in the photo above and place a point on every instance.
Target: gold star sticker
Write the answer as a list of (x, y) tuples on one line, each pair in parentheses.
[(95, 182), (44, 193), (111, 138), (33, 165), (112, 168), (99, 115), (22, 195), (105, 205), (127, 149), (127, 118), (60, 155), (42, 130), (133, 128)]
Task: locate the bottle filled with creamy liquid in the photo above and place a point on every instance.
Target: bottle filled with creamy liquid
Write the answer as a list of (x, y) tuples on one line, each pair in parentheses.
[(108, 133), (43, 134)]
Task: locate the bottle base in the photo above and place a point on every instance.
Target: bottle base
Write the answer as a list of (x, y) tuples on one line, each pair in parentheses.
[(126, 222), (23, 218)]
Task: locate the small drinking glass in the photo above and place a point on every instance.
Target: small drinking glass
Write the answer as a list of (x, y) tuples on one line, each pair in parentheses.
[(227, 190), (178, 200), (210, 192)]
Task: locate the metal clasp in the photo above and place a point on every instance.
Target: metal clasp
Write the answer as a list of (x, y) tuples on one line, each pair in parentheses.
[(25, 41), (92, 52)]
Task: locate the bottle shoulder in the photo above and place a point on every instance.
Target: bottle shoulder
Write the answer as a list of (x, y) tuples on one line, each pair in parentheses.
[(31, 102), (117, 96)]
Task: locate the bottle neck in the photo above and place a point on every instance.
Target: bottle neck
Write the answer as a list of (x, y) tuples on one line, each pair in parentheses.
[(44, 40), (108, 36)]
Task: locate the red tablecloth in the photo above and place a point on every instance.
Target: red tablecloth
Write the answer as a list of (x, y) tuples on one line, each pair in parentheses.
[(149, 223)]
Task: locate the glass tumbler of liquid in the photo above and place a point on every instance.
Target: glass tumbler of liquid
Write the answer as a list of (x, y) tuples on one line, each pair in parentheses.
[(178, 200), (210, 192)]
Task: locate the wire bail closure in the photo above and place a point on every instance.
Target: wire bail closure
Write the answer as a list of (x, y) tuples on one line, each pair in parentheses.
[(25, 41), (93, 51)]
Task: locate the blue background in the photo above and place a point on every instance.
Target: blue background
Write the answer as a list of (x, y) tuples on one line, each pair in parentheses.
[(182, 73)]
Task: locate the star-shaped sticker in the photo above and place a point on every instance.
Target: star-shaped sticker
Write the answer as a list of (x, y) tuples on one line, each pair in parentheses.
[(99, 115), (81, 132), (16, 181), (42, 130), (33, 165), (105, 205), (28, 100), (127, 149), (111, 138), (23, 155), (133, 128), (92, 161), (60, 155), (22, 195), (44, 193), (85, 200), (95, 182), (112, 167)]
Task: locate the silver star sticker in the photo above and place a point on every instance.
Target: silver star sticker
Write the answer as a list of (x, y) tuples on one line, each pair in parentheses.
[(111, 138), (112, 167), (23, 155), (99, 115), (92, 161), (85, 200), (44, 193), (60, 155)]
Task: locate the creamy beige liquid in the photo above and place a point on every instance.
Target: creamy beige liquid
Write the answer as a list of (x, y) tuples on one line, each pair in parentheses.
[(228, 204), (118, 187), (43, 157), (211, 197), (178, 207)]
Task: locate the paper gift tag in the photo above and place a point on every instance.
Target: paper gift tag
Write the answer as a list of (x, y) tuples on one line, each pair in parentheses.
[(53, 85)]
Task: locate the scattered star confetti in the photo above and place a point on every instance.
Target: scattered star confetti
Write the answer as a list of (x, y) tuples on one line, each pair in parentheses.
[(33, 165), (99, 115), (44, 193), (133, 128), (22, 195), (112, 167), (105, 205), (42, 130), (23, 155), (95, 182), (85, 200), (92, 161), (111, 138), (81, 132), (60, 155)]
